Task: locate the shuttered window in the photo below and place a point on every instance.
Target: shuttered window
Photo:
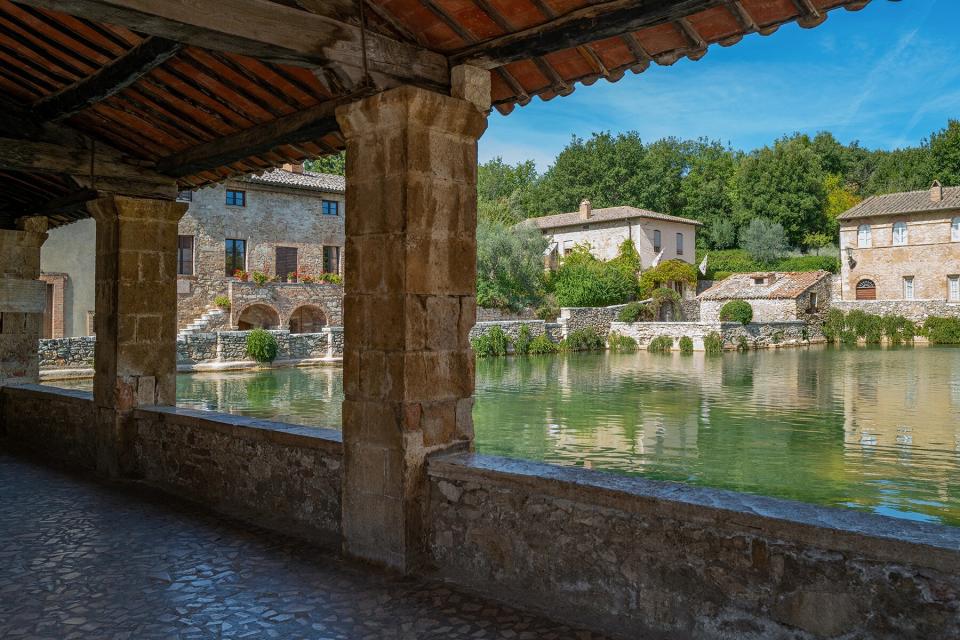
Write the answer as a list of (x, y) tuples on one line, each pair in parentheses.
[(286, 262), (185, 255)]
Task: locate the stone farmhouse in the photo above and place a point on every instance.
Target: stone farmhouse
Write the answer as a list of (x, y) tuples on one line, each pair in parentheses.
[(286, 223), (901, 253), (606, 229), (775, 297)]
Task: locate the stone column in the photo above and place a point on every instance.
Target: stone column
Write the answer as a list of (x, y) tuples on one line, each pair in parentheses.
[(136, 317), (410, 302), (22, 300)]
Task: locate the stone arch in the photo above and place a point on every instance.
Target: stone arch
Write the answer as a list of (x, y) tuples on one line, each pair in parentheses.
[(258, 316), (307, 318)]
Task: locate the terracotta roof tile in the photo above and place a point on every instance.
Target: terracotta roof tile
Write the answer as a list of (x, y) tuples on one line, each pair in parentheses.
[(325, 182), (902, 203), (779, 286), (608, 214)]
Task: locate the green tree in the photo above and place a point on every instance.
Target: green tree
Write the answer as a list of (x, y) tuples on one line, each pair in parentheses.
[(839, 198), (765, 241), (509, 265), (783, 183), (706, 191), (907, 169), (335, 164), (506, 193), (945, 154)]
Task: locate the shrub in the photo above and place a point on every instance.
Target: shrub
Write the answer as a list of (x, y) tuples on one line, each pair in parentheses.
[(857, 322), (776, 337), (620, 342), (736, 311), (260, 278), (588, 282), (586, 339), (742, 344), (660, 344), (542, 345), (713, 344), (942, 330), (522, 344), (810, 263), (833, 325), (873, 329), (899, 329), (686, 345), (720, 264), (509, 265), (330, 278), (669, 271), (262, 346), (548, 312), (848, 337), (491, 343), (635, 312), (222, 302), (662, 296)]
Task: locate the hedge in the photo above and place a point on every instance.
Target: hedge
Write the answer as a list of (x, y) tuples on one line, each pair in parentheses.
[(736, 311)]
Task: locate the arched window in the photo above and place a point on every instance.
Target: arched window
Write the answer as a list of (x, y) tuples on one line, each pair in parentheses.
[(863, 236), (866, 290), (899, 233), (955, 229)]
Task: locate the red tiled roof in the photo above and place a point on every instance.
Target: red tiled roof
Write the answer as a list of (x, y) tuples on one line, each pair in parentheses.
[(608, 214), (741, 286)]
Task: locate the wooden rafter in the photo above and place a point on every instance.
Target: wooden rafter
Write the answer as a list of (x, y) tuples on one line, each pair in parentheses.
[(810, 16), (109, 80), (580, 27), (271, 32)]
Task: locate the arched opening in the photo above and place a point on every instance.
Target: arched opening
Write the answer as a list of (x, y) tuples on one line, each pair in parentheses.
[(258, 316), (307, 319), (866, 290)]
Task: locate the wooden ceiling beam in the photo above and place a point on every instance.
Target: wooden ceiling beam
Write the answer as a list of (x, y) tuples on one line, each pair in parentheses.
[(580, 27), (310, 124), (810, 16), (109, 80), (269, 31)]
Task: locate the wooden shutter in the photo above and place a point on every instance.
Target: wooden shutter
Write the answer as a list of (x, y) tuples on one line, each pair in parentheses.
[(286, 261)]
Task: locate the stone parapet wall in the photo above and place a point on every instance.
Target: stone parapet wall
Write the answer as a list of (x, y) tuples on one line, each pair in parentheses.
[(59, 424), (510, 327), (758, 334), (643, 558), (285, 477), (916, 310), (645, 332)]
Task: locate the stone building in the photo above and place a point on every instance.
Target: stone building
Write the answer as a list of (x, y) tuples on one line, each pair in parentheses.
[(775, 297), (606, 229), (901, 253), (286, 223)]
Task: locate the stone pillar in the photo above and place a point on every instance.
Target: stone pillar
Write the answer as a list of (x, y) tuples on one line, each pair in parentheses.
[(22, 300), (409, 305), (136, 317)]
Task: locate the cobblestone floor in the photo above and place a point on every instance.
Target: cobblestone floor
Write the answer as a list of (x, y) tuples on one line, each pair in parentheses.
[(83, 559)]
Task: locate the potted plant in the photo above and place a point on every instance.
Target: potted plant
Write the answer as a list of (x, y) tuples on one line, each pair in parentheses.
[(260, 278), (222, 302), (241, 275)]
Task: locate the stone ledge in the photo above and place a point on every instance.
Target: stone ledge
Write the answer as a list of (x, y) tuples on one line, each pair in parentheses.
[(44, 391), (320, 438), (835, 529)]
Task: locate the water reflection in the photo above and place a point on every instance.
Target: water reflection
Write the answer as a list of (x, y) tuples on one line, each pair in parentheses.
[(872, 429)]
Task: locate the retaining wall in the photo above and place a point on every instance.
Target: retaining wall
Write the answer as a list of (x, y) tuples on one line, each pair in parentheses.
[(916, 310), (759, 335), (662, 560)]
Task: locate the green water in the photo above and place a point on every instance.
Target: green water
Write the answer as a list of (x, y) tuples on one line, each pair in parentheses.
[(871, 429)]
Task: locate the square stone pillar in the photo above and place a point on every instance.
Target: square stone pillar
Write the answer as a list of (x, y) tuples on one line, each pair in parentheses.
[(22, 300), (135, 360), (410, 303)]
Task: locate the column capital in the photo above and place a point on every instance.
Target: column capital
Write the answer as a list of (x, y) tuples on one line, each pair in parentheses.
[(412, 106), (111, 207)]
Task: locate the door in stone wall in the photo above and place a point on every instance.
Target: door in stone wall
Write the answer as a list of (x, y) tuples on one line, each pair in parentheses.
[(286, 262)]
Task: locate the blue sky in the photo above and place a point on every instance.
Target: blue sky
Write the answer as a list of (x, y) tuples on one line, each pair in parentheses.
[(887, 76)]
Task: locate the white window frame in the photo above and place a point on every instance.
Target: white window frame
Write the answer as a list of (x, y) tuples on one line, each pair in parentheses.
[(953, 288), (909, 288), (864, 236), (955, 229), (900, 234)]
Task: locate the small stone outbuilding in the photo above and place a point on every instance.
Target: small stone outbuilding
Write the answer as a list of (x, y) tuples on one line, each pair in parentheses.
[(775, 297)]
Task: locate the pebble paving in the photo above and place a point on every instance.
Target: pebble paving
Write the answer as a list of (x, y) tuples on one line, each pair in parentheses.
[(81, 558)]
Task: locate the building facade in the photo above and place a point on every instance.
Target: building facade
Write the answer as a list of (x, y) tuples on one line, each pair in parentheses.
[(774, 297), (900, 252), (287, 224), (604, 230)]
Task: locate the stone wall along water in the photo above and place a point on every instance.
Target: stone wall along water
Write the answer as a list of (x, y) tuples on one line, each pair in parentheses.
[(759, 335), (497, 315), (67, 353), (600, 318), (649, 559), (916, 310)]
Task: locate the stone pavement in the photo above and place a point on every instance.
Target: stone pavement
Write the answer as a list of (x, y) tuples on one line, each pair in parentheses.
[(85, 559)]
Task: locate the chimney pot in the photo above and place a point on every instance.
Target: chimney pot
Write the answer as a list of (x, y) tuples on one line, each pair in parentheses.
[(936, 192), (292, 168), (586, 210)]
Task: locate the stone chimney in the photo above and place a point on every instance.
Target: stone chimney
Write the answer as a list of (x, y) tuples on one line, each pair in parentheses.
[(586, 210), (293, 168), (936, 191)]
